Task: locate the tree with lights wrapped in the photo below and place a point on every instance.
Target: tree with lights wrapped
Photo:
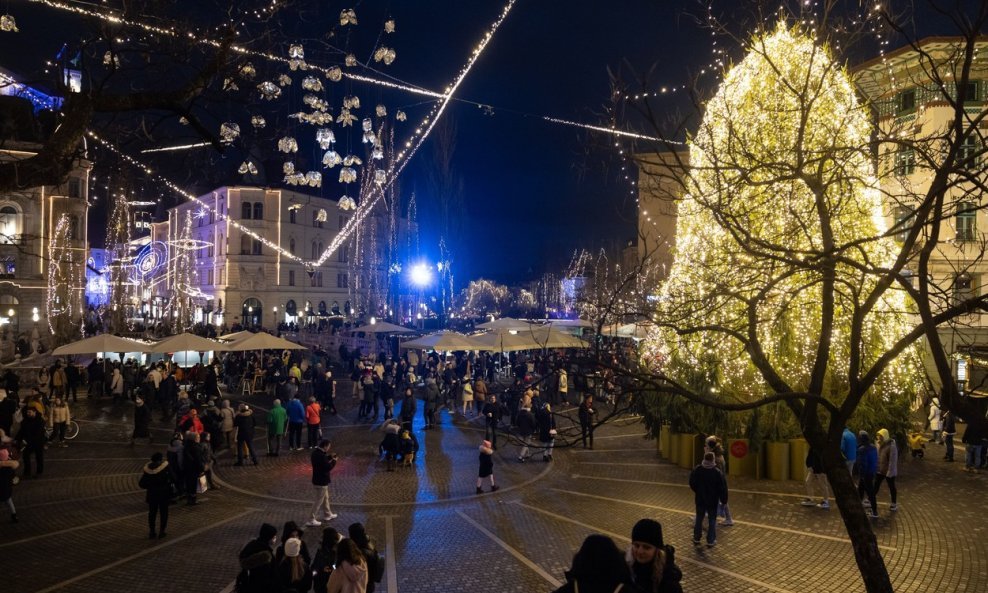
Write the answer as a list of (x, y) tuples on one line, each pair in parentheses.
[(183, 278), (118, 241), (778, 291), (62, 296)]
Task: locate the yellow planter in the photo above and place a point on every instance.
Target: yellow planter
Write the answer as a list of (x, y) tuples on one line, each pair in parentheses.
[(664, 441), (690, 450), (741, 460), (672, 453), (777, 461), (798, 449)]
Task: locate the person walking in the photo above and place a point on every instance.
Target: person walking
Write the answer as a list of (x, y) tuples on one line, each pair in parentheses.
[(492, 418), (849, 449), (562, 387), (367, 547), (466, 396), (408, 405), (227, 416), (867, 469), (486, 467), (8, 469), (31, 436), (652, 563), (480, 394), (296, 420), (598, 567), (142, 422), (257, 562), (323, 463), (277, 421), (193, 466), (117, 385), (586, 414), (525, 424), (888, 466), (432, 401), (972, 447), (312, 421), (935, 419), (156, 479), (546, 423), (709, 488), (245, 423), (714, 445), (949, 430), (58, 419), (816, 481)]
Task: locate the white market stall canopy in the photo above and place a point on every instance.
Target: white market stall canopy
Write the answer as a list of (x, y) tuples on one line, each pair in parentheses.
[(102, 343), (444, 341), (237, 336), (505, 323), (383, 327), (187, 342), (263, 341)]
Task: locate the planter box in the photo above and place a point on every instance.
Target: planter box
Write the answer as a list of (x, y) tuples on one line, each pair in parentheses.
[(690, 450), (672, 453), (798, 449), (777, 461), (741, 460), (665, 436)]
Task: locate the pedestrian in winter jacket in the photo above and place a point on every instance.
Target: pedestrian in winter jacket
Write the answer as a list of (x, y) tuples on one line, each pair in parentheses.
[(888, 465), (312, 421), (193, 465), (257, 562), (432, 401), (32, 436), (492, 418), (598, 567), (652, 563), (546, 423), (367, 547), (709, 488), (408, 406), (245, 424), (486, 467), (525, 424), (157, 481), (142, 422), (190, 422), (867, 457), (8, 467), (587, 415), (226, 423), (351, 574), (277, 422), (296, 420)]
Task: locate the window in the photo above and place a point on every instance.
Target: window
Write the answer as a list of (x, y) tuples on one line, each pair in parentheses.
[(343, 280), (202, 220), (316, 279), (222, 207), (972, 91), (256, 247), (258, 210), (965, 221), (74, 232), (315, 218), (8, 266), (291, 277), (245, 210), (210, 250), (905, 102), (315, 250), (343, 255), (212, 217), (244, 245), (968, 152), (903, 222), (291, 309), (293, 215), (10, 225), (219, 246), (905, 162), (291, 246), (965, 288), (209, 277), (75, 187)]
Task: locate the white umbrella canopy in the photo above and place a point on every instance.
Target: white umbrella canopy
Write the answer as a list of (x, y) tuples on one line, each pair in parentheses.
[(237, 336), (505, 323), (102, 343), (187, 342), (383, 327), (444, 341), (546, 337), (263, 341), (504, 341)]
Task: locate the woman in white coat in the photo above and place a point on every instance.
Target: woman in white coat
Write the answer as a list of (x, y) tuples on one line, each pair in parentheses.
[(935, 424)]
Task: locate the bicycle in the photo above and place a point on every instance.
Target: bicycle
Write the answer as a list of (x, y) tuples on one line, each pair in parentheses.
[(71, 431)]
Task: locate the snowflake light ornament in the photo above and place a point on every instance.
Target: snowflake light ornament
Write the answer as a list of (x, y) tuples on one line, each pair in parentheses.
[(346, 118), (311, 83), (400, 115), (385, 54), (8, 24), (348, 175), (247, 167), (331, 159), (381, 110), (258, 121), (229, 132), (389, 26), (288, 145), (347, 203), (350, 61), (334, 74), (348, 16), (284, 80), (324, 138), (269, 90)]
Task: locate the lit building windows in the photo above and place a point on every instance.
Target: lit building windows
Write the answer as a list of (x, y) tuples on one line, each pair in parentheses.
[(965, 221)]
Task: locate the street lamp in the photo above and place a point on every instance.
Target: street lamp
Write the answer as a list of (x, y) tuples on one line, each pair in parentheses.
[(421, 275)]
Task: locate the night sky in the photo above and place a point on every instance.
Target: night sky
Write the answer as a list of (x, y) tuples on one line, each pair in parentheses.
[(533, 191)]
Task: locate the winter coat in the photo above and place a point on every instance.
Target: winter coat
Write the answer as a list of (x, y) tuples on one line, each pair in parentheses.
[(283, 576), (322, 466), (193, 460), (546, 422), (32, 431), (480, 390), (117, 383), (191, 423), (641, 574), (525, 422), (226, 425), (348, 578), (256, 568), (972, 436), (708, 485), (245, 423), (934, 416), (277, 418), (486, 462), (592, 585), (408, 406), (492, 413), (157, 480), (849, 445), (312, 414), (142, 420), (586, 413), (296, 411), (888, 459), (949, 424), (466, 394), (868, 457), (431, 395)]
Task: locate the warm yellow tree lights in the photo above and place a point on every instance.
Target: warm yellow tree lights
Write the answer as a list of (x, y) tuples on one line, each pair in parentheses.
[(779, 240)]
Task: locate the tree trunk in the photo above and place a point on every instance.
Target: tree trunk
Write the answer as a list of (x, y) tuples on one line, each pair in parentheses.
[(870, 562)]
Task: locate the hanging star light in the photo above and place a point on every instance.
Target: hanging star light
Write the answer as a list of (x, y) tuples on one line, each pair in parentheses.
[(350, 60), (314, 179), (284, 80), (346, 118), (334, 73), (348, 175), (269, 90), (384, 54), (311, 83), (8, 24), (331, 159)]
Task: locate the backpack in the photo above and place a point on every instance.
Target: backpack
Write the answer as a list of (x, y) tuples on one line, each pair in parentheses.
[(375, 564)]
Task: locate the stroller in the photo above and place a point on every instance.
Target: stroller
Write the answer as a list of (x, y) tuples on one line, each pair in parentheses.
[(917, 444)]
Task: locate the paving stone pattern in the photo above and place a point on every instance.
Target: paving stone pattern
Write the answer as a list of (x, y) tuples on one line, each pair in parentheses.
[(83, 526)]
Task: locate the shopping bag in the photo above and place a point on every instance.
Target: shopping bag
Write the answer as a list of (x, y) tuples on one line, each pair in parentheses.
[(203, 484)]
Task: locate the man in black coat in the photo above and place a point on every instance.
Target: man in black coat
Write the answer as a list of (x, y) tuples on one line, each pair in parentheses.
[(32, 435), (408, 406), (323, 463), (709, 488), (492, 418), (193, 465), (257, 562), (525, 424), (168, 396), (8, 407), (157, 480)]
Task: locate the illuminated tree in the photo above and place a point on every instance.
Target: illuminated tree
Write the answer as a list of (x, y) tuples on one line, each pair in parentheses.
[(183, 273), (62, 298), (118, 243)]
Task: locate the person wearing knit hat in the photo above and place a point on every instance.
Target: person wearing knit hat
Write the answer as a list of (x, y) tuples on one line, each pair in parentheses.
[(709, 488), (486, 467), (292, 572), (652, 563), (257, 561), (8, 467)]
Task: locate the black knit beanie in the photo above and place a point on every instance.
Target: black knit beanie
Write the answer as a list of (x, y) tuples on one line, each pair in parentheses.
[(647, 531)]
